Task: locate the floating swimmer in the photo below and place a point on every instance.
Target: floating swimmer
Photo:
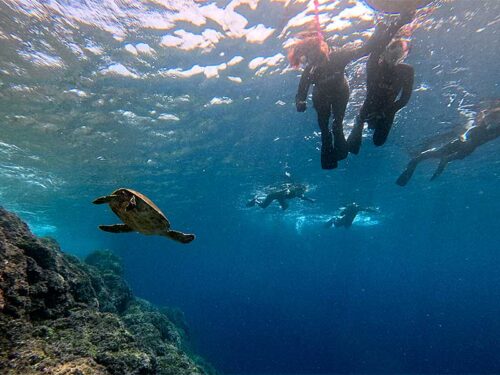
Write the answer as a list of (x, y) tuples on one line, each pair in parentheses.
[(139, 214), (389, 84), (281, 194), (485, 129), (347, 215)]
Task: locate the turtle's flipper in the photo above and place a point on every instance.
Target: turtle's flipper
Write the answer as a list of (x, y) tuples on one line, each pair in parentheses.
[(116, 228), (105, 199), (180, 237)]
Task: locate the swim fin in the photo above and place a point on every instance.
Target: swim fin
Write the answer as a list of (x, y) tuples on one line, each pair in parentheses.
[(354, 139), (328, 158), (442, 165), (406, 175)]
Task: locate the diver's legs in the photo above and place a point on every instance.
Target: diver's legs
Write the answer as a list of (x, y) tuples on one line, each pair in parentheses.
[(327, 159), (339, 106), (463, 150), (267, 201), (410, 168)]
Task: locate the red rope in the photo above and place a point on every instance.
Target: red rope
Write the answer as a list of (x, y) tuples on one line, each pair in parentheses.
[(316, 20)]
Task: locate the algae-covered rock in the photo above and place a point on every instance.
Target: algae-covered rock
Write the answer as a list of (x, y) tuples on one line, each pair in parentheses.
[(59, 315), (113, 293)]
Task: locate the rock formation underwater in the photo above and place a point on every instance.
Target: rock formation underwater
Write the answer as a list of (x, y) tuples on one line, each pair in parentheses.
[(59, 315)]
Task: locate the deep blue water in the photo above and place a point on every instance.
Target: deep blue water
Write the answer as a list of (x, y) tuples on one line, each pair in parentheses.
[(413, 289)]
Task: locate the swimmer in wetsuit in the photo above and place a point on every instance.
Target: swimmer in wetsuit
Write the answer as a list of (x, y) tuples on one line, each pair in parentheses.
[(347, 215), (281, 194), (325, 69), (387, 78), (485, 129)]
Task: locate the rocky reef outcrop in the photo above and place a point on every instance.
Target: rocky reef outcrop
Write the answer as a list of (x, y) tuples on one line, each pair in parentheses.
[(59, 315)]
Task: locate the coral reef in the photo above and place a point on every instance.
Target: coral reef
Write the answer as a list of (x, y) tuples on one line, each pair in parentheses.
[(59, 315)]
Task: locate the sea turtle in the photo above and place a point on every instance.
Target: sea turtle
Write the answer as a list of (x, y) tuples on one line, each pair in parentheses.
[(139, 214)]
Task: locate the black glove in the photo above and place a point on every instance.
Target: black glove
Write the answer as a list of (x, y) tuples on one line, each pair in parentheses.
[(300, 105)]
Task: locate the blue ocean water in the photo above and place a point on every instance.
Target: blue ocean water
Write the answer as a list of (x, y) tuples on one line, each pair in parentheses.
[(87, 107)]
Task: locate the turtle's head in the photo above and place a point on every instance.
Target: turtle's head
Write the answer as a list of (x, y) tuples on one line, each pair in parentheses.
[(123, 194)]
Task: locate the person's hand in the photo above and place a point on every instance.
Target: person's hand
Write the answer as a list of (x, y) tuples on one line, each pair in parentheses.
[(300, 105)]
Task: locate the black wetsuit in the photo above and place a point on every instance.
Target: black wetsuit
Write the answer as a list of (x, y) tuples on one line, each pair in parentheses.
[(487, 129), (347, 215), (384, 84), (289, 191), (330, 97)]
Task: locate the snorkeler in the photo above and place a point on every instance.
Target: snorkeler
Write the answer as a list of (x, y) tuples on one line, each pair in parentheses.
[(485, 129), (325, 69), (387, 78), (347, 215), (281, 194)]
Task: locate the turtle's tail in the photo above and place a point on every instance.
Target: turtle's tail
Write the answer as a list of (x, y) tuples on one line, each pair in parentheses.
[(180, 237)]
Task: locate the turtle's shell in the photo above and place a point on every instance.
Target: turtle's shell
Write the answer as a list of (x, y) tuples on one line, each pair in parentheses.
[(397, 6), (145, 217)]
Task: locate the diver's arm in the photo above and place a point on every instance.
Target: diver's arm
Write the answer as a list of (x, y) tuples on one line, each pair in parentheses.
[(385, 33), (305, 82), (407, 76), (349, 54), (403, 19)]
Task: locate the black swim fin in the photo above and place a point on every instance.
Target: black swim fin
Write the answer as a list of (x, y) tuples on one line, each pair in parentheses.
[(442, 165), (340, 148), (328, 158), (406, 175), (354, 139)]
